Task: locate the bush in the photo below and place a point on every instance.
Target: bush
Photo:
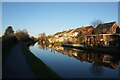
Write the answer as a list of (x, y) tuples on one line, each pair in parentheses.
[(22, 35)]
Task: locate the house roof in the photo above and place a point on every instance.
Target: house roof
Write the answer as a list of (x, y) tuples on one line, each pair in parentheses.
[(78, 29), (83, 28), (69, 31), (59, 32), (101, 27), (105, 25)]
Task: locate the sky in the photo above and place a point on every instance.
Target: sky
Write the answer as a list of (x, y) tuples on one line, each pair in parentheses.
[(60, 0), (51, 17)]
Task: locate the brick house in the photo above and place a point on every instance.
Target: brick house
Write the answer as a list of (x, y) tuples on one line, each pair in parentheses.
[(107, 28), (106, 34), (82, 31)]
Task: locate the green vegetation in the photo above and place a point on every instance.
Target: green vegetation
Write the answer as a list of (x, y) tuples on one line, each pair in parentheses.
[(40, 69), (5, 52), (79, 36), (43, 39), (98, 45), (58, 43)]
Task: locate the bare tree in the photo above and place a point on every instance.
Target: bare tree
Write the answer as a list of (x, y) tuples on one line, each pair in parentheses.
[(22, 35), (96, 22), (42, 37)]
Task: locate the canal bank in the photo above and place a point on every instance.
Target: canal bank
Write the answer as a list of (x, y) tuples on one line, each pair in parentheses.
[(21, 63), (40, 69)]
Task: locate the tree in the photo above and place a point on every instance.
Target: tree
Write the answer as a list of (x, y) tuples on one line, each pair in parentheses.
[(42, 37), (96, 22), (9, 38), (9, 31), (34, 38), (22, 35), (79, 36)]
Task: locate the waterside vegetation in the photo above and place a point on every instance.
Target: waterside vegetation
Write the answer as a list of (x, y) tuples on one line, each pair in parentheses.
[(9, 39), (40, 69)]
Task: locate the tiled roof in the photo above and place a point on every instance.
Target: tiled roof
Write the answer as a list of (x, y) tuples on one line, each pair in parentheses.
[(101, 27), (83, 28), (69, 31), (59, 32)]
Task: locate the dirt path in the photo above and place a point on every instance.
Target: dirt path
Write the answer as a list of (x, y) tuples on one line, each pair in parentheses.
[(15, 65)]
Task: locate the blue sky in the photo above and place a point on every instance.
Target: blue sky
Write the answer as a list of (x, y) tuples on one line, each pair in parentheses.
[(51, 17), (60, 0)]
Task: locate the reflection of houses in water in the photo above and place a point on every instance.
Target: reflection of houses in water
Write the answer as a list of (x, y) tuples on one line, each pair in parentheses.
[(106, 58), (56, 48), (91, 57), (96, 69), (101, 59)]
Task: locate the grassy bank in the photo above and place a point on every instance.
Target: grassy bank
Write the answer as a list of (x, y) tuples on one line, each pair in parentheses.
[(7, 42), (6, 51), (40, 69)]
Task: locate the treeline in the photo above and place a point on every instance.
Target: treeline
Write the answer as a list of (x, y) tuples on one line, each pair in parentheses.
[(8, 40), (10, 37), (43, 39)]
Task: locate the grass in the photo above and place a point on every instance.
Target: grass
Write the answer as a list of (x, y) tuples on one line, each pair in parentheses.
[(40, 69), (5, 51), (7, 44)]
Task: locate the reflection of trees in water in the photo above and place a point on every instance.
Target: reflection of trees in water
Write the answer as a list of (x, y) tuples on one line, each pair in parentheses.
[(42, 46), (96, 69), (52, 50)]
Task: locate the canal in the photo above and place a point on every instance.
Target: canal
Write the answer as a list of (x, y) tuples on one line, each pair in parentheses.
[(73, 63)]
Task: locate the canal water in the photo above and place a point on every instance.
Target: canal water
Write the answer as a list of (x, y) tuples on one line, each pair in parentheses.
[(73, 63)]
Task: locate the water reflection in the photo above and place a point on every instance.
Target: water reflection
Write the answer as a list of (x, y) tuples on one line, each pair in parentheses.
[(111, 61), (79, 63), (96, 69), (42, 45)]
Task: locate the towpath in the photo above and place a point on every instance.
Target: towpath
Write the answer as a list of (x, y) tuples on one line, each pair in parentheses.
[(16, 65)]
